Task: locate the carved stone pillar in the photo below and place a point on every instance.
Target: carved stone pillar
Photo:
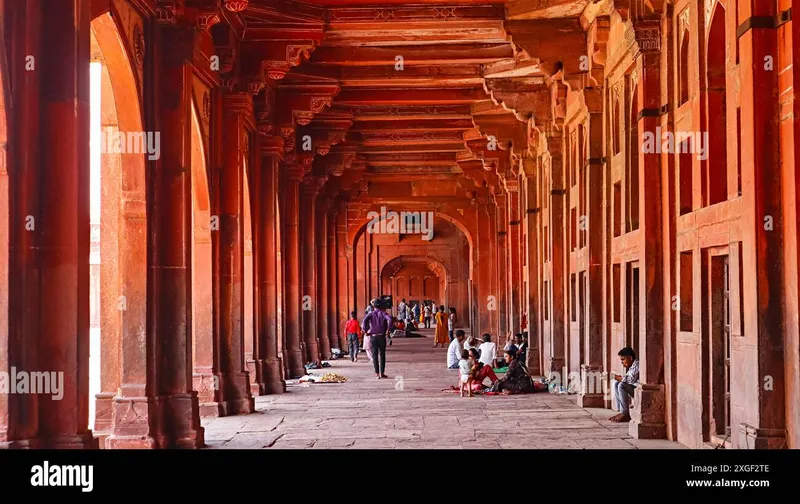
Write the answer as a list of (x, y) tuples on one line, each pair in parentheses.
[(758, 396), (320, 229), (172, 202), (294, 350), (556, 193), (55, 235), (333, 287), (310, 302), (229, 250), (344, 263), (648, 415), (269, 367), (592, 394), (501, 265)]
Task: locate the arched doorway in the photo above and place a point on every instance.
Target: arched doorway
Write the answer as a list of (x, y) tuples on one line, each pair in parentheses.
[(118, 258), (205, 381)]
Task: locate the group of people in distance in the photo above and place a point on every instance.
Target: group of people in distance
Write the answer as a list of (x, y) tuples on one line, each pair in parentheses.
[(476, 360)]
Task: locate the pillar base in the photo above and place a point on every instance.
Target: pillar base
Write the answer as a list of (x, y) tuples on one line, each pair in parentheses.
[(84, 441), (296, 368), (133, 417), (207, 385), (254, 368), (556, 364), (754, 438), (273, 374), (181, 422), (647, 412), (592, 394), (104, 412), (236, 391)]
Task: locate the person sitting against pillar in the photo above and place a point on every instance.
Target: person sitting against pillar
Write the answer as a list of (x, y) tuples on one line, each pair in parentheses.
[(517, 380), (353, 331), (480, 371), (455, 349), (623, 386), (377, 325)]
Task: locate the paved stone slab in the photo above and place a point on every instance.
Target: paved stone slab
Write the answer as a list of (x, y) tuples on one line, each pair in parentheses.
[(412, 410)]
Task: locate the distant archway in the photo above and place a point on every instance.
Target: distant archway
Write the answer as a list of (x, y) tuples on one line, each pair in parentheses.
[(118, 269)]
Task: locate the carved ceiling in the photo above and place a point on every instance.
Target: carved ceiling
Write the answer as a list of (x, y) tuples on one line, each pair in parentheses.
[(433, 90)]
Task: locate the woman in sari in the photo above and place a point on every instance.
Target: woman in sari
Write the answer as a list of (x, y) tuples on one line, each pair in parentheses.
[(516, 380), (441, 334)]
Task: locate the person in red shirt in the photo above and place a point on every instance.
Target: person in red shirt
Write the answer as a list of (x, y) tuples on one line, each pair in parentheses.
[(353, 331)]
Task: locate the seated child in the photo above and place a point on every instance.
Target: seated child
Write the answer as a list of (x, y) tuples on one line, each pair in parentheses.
[(465, 372)]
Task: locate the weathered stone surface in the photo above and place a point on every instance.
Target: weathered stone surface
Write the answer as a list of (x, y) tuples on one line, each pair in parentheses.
[(325, 415)]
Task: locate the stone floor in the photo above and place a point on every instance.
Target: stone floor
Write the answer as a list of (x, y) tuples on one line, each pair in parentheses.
[(410, 410)]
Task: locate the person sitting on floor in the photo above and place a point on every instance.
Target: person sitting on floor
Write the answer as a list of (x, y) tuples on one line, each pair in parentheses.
[(480, 371), (455, 349), (623, 386), (516, 380), (465, 373), (488, 351)]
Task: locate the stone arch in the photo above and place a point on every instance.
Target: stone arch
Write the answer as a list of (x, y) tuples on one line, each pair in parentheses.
[(119, 231), (203, 348), (716, 97), (435, 265), (448, 214)]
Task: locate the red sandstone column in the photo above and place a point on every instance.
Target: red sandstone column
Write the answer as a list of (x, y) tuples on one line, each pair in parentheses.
[(321, 229), (62, 229), (270, 368), (344, 255), (333, 287), (229, 251), (591, 395), (19, 413), (648, 413), (758, 419), (294, 349), (557, 262), (484, 267), (308, 195), (532, 210), (514, 250), (170, 303), (501, 264)]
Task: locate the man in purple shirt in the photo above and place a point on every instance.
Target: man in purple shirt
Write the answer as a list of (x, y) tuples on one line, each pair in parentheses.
[(377, 325)]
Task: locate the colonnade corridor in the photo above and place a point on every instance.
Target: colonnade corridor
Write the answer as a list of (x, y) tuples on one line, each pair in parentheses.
[(411, 410), (195, 196)]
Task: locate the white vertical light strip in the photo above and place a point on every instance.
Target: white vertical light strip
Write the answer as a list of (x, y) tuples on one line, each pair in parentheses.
[(95, 139), (95, 151)]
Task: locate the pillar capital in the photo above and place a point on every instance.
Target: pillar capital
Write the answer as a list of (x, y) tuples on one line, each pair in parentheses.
[(295, 172), (272, 146), (311, 184)]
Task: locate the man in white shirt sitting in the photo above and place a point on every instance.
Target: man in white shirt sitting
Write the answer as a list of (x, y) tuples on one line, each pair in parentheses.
[(488, 351), (455, 349), (623, 386)]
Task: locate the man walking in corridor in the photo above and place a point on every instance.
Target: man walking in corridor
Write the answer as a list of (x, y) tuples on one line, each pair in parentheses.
[(377, 325)]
